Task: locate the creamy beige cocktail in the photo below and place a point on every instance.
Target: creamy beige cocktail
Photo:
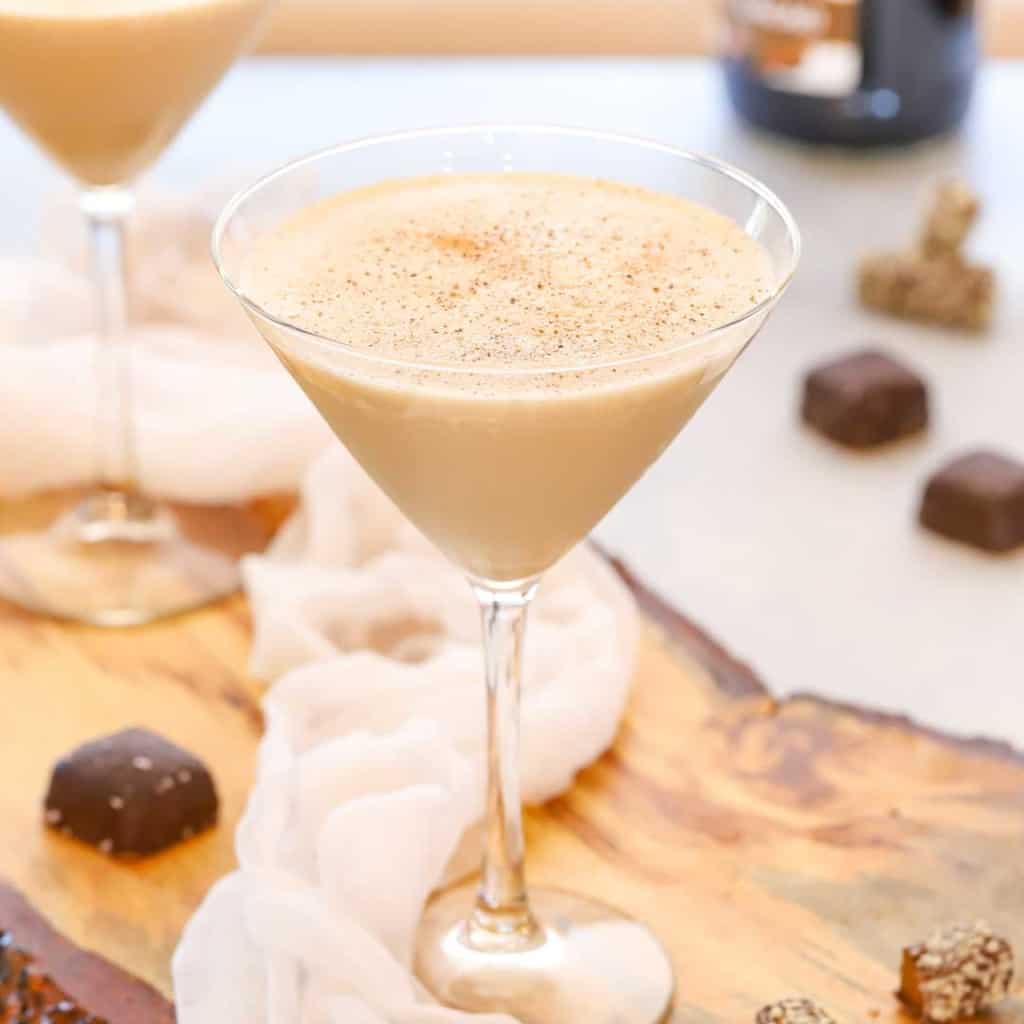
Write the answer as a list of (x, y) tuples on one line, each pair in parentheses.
[(104, 85), (517, 348), (506, 345)]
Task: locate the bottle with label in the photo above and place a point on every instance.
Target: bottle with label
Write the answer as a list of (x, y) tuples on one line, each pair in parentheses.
[(851, 72)]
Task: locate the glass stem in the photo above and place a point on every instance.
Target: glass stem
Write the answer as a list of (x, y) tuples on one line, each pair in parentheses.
[(105, 209), (502, 918)]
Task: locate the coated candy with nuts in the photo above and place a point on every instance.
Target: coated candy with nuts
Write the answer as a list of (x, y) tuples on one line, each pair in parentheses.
[(958, 972), (29, 996), (793, 1011), (131, 794)]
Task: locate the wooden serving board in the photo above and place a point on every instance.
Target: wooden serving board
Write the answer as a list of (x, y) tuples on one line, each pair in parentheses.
[(778, 847)]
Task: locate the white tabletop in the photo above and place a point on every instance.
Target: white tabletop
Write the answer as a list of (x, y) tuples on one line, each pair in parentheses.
[(801, 558)]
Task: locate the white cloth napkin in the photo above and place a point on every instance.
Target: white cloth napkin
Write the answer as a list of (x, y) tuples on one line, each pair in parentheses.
[(371, 770), (204, 380)]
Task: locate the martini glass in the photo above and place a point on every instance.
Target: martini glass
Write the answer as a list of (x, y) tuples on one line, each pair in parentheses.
[(103, 86), (505, 468)]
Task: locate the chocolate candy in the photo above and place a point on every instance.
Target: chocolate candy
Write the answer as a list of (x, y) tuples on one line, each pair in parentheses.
[(43, 972), (977, 499), (28, 996), (793, 1011), (131, 794), (865, 399), (958, 972)]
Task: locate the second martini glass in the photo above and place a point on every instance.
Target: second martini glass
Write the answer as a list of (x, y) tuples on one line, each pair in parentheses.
[(505, 468), (103, 86)]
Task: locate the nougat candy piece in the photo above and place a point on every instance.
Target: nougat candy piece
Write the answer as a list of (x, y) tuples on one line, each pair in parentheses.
[(954, 210), (941, 291)]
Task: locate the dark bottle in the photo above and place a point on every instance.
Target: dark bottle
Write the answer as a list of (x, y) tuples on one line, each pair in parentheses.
[(852, 72)]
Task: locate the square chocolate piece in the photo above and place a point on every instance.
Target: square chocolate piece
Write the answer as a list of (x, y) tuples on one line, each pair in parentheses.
[(131, 794), (865, 399), (977, 499)]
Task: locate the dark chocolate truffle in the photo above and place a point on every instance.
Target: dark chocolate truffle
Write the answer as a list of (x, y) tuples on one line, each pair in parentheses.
[(977, 499), (131, 794), (865, 399)]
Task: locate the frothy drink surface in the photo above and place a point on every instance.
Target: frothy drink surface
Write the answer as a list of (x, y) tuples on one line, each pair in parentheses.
[(511, 270), (515, 345), (104, 85)]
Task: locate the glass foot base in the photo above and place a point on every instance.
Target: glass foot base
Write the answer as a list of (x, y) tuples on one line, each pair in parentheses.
[(588, 963), (111, 559)]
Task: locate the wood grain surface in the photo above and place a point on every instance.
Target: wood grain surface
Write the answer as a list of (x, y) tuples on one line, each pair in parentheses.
[(778, 847)]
